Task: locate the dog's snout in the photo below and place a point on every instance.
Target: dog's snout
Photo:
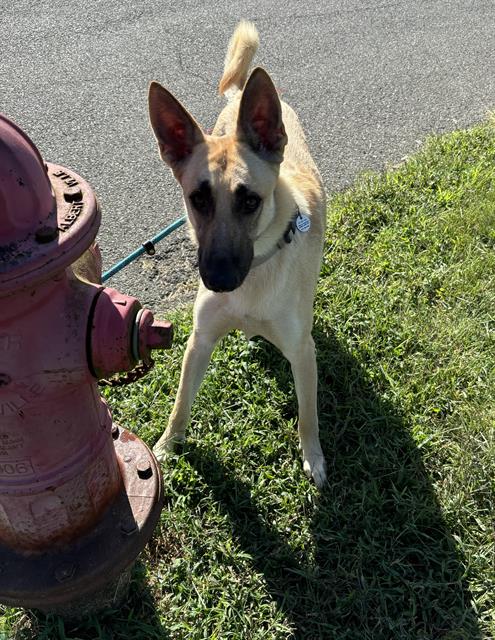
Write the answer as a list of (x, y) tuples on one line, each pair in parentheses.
[(221, 274), (223, 270)]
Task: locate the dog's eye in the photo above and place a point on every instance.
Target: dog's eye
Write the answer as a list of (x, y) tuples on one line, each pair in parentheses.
[(200, 201), (251, 203)]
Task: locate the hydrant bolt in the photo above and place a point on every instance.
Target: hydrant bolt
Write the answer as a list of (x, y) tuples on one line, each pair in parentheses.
[(144, 469), (128, 528), (5, 379), (46, 234), (76, 196), (65, 572)]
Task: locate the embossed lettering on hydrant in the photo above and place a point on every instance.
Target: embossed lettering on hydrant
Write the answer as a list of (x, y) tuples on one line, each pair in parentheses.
[(25, 394), (9, 342), (66, 178), (9, 443), (69, 218), (16, 468)]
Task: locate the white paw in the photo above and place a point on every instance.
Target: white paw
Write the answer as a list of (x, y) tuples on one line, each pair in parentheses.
[(166, 445), (315, 467)]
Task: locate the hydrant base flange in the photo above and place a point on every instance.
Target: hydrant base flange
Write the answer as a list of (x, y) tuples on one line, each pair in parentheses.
[(67, 575)]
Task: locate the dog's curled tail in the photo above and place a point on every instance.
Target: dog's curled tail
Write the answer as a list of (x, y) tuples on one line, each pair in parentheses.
[(242, 47)]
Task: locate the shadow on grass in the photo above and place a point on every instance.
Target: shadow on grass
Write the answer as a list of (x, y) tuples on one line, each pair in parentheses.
[(384, 565), (136, 619)]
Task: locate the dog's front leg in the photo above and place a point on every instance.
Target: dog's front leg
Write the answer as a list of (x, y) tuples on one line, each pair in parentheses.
[(196, 359), (298, 347), (210, 324)]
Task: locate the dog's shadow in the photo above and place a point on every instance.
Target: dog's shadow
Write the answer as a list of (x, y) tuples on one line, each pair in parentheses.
[(384, 564)]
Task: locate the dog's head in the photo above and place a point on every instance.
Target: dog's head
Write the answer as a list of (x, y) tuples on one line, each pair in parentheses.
[(228, 182)]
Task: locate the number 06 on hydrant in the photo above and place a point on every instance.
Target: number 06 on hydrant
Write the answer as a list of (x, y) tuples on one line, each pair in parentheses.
[(79, 496)]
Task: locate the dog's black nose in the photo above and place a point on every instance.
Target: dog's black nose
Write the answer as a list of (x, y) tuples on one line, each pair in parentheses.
[(221, 274), (221, 281)]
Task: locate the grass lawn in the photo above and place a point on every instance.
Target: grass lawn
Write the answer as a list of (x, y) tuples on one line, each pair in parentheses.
[(401, 544)]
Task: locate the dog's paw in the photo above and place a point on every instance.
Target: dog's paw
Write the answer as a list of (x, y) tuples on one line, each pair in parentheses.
[(315, 467), (166, 445)]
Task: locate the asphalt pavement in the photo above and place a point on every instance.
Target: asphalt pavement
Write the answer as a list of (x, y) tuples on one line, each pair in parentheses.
[(370, 80)]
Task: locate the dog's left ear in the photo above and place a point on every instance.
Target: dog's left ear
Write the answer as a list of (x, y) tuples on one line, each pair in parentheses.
[(259, 122), (175, 129)]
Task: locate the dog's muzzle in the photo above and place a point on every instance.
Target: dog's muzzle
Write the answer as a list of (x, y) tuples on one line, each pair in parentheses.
[(222, 273)]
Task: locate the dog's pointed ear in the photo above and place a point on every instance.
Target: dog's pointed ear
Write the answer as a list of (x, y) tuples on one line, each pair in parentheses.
[(175, 129), (259, 122)]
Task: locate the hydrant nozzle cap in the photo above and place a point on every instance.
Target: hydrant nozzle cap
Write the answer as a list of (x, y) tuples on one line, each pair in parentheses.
[(150, 334)]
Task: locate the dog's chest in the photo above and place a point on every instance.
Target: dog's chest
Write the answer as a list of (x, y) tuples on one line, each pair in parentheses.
[(252, 327)]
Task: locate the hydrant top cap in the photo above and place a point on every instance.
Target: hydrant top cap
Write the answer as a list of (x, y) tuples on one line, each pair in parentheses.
[(48, 214), (26, 197)]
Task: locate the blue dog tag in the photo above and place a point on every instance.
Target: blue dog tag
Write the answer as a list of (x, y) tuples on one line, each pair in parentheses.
[(303, 223)]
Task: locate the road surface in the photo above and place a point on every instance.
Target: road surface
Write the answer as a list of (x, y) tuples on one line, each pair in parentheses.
[(370, 80)]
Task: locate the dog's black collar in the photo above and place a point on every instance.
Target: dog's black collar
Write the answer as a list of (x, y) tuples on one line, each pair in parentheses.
[(289, 234)]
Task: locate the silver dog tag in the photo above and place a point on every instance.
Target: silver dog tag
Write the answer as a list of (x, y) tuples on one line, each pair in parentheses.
[(303, 223)]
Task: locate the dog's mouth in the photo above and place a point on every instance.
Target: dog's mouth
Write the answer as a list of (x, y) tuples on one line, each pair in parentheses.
[(223, 273), (221, 287)]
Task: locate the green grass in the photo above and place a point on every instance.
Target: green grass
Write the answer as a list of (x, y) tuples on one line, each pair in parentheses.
[(401, 543)]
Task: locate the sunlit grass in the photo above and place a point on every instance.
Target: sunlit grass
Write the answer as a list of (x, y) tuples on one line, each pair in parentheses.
[(400, 545)]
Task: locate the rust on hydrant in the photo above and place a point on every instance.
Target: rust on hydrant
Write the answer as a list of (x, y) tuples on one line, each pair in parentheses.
[(76, 506)]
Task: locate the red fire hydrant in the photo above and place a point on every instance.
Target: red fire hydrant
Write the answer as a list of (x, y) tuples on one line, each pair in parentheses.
[(79, 496)]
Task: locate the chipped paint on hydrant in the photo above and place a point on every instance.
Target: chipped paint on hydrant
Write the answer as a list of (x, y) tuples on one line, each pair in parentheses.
[(79, 495)]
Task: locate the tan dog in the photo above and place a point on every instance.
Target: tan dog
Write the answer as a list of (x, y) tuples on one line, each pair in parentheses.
[(256, 206)]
